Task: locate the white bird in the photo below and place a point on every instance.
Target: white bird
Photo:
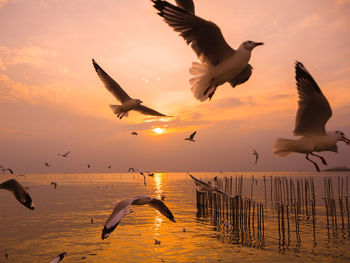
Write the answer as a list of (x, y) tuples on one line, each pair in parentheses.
[(313, 113), (58, 258), (19, 192), (191, 137), (220, 62), (122, 209), (64, 155), (128, 103), (255, 153)]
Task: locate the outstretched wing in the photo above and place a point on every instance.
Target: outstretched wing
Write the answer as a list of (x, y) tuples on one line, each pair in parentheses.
[(147, 111), (186, 5), (192, 135), (19, 192), (204, 36), (111, 84), (161, 207), (314, 110)]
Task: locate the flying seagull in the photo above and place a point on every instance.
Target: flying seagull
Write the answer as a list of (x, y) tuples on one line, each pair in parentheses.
[(255, 153), (128, 103), (220, 62), (58, 258), (88, 166), (6, 169), (19, 192), (144, 178), (313, 113), (47, 164), (134, 133), (122, 209), (191, 137), (131, 169), (64, 155)]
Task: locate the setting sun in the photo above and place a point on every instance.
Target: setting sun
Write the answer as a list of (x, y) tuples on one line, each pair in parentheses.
[(158, 130)]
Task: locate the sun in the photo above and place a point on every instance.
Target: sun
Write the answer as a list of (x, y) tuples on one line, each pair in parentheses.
[(158, 130)]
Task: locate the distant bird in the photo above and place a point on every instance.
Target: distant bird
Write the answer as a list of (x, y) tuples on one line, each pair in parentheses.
[(109, 167), (47, 164), (19, 192), (58, 258), (220, 63), (203, 186), (131, 169), (191, 137), (54, 184), (128, 103), (157, 242), (91, 220), (313, 113), (6, 255), (64, 155), (255, 153), (144, 178), (134, 133), (150, 174), (163, 197), (6, 169), (122, 209), (88, 166), (21, 175), (184, 230)]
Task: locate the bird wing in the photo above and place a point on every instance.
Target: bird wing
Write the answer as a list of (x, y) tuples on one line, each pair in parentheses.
[(8, 169), (111, 84), (242, 77), (19, 192), (204, 36), (192, 135), (58, 258), (147, 111), (314, 110), (120, 210), (186, 5), (162, 208)]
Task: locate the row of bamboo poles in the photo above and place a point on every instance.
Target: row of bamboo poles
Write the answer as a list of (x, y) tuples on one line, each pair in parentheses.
[(287, 202)]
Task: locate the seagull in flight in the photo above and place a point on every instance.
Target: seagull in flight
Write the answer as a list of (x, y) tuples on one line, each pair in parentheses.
[(122, 209), (64, 155), (313, 113), (220, 62), (19, 192), (255, 153), (128, 103), (58, 258), (191, 137), (144, 178), (47, 164), (6, 169), (134, 133)]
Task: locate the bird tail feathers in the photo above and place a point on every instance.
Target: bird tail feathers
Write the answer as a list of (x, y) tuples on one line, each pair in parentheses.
[(283, 147), (202, 86), (117, 110)]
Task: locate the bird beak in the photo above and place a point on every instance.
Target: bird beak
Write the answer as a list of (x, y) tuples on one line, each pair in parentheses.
[(346, 140), (259, 43)]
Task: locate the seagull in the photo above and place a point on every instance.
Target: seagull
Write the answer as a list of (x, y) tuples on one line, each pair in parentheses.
[(134, 133), (64, 155), (150, 174), (88, 166), (191, 137), (54, 184), (19, 192), (6, 169), (131, 169), (47, 164), (128, 103), (122, 209), (220, 62), (256, 156), (144, 178), (313, 113), (157, 242), (58, 258), (6, 255), (109, 167)]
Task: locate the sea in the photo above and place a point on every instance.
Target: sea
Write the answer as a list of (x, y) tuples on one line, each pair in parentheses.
[(70, 218)]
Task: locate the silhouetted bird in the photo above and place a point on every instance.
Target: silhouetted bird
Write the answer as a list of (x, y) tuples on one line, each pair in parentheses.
[(220, 62), (122, 209), (47, 164), (131, 169), (134, 133), (128, 103), (19, 192), (6, 169), (255, 153), (191, 137), (313, 113), (156, 242), (64, 155), (88, 166)]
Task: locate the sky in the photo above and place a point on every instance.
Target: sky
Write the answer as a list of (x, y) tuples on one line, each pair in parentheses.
[(52, 101)]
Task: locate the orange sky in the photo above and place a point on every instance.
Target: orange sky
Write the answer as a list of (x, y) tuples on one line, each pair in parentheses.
[(52, 101)]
